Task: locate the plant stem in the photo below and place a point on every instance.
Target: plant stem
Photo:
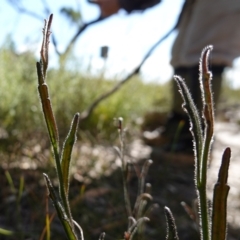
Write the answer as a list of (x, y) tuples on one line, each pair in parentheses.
[(124, 168), (204, 213)]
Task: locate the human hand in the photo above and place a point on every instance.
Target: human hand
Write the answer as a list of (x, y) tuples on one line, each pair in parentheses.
[(107, 7)]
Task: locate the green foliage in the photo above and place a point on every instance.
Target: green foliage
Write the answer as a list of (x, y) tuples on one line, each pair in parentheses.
[(127, 105), (18, 101), (81, 90), (5, 232), (73, 15), (20, 114)]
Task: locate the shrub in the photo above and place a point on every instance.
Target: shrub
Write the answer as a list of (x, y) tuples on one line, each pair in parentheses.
[(20, 115)]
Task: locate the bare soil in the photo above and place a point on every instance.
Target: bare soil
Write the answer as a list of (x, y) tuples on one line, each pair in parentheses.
[(96, 193)]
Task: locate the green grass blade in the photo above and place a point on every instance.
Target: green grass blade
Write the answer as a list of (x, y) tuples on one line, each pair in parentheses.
[(195, 121), (221, 189), (6, 232), (42, 86), (124, 167), (208, 116), (171, 226), (135, 227), (142, 204), (10, 181), (208, 113), (67, 151), (143, 175), (79, 229), (48, 232), (21, 187), (66, 223)]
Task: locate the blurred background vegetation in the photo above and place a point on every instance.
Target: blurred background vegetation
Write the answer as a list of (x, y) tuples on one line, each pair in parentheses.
[(71, 91), (23, 133)]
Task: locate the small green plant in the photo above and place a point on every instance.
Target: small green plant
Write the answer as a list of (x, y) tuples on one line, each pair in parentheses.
[(63, 160), (17, 194), (136, 215), (212, 223)]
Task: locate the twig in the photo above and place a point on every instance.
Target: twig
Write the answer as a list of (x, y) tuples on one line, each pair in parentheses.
[(105, 95), (85, 114), (15, 4), (79, 32), (47, 10)]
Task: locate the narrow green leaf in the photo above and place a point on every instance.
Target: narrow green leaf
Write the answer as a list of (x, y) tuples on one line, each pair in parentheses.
[(45, 44), (195, 121), (221, 189), (124, 167), (143, 175), (21, 187), (79, 229), (142, 204), (67, 152), (134, 228), (43, 89), (208, 116), (47, 109), (10, 181), (68, 227), (171, 226), (208, 113), (48, 232), (6, 232), (206, 76), (62, 204), (42, 86)]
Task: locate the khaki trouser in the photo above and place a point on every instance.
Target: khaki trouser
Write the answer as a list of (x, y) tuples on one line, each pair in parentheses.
[(191, 76)]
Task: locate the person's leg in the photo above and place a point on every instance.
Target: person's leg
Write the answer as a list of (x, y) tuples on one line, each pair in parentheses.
[(186, 74), (191, 77), (175, 134), (176, 130), (217, 79)]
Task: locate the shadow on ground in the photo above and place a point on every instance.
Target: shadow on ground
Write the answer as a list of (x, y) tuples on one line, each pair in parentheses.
[(98, 205)]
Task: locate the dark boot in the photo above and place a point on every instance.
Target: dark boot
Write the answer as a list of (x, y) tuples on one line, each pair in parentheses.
[(174, 136)]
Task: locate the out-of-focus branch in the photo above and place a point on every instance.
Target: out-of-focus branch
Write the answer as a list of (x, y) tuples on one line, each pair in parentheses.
[(46, 7), (78, 33), (86, 114), (16, 5), (74, 38)]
